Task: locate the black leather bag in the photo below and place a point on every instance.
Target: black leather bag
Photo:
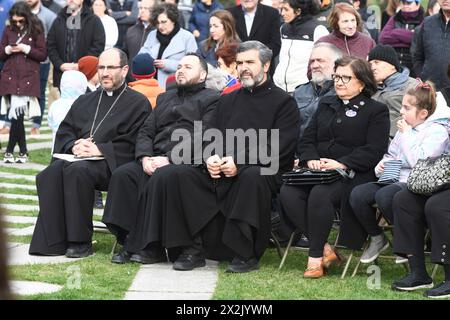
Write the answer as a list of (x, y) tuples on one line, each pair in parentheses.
[(306, 176)]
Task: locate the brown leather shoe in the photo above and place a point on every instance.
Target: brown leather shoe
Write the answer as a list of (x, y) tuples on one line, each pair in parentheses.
[(331, 257), (314, 272), (35, 132)]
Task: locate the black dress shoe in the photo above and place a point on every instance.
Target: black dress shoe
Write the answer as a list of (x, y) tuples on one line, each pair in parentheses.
[(149, 256), (79, 250), (121, 257), (187, 262), (239, 265)]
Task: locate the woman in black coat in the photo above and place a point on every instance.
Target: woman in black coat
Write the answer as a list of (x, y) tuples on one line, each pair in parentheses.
[(348, 131)]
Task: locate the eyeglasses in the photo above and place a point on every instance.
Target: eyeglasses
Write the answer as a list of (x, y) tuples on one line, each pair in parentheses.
[(145, 8), (344, 79), (409, 2), (106, 68), (16, 22)]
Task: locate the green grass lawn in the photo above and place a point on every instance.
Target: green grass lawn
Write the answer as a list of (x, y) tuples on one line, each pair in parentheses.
[(19, 171), (288, 283), (18, 225), (41, 156)]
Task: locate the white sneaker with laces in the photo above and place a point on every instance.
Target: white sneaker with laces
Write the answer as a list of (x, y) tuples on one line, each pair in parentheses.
[(22, 158), (8, 158)]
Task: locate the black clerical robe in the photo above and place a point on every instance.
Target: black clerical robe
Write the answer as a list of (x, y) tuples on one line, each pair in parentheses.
[(177, 109), (231, 214), (66, 189)]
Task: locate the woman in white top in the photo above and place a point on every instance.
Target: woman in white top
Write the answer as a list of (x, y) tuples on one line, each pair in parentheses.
[(298, 34), (109, 24)]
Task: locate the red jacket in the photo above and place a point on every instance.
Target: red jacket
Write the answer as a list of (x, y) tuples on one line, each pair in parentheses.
[(20, 73)]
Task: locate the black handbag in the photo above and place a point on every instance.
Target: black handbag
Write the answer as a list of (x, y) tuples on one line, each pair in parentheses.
[(306, 176), (430, 175)]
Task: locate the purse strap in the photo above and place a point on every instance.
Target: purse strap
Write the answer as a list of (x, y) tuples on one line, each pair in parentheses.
[(346, 174)]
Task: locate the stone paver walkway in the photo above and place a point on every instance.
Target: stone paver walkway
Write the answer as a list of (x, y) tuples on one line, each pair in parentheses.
[(161, 282), (22, 288)]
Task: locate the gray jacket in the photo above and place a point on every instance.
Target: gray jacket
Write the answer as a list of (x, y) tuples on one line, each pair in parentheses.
[(182, 43), (47, 17), (307, 97), (391, 93)]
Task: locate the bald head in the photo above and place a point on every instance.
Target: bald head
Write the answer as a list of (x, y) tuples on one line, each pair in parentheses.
[(112, 68)]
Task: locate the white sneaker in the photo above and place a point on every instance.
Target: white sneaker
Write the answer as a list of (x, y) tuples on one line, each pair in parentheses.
[(22, 158), (8, 158)]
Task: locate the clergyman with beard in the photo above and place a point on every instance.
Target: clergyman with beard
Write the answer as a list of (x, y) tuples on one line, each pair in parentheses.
[(103, 124), (221, 209), (177, 109)]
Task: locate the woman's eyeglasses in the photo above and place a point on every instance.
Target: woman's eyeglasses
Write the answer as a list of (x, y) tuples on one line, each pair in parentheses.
[(344, 79)]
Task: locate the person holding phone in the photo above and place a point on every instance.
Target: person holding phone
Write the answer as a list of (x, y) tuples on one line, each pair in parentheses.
[(22, 48)]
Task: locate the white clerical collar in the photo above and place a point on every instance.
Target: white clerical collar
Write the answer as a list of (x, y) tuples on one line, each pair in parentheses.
[(109, 93)]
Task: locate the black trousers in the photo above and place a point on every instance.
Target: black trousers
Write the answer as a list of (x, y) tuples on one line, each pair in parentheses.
[(413, 213), (362, 199), (17, 135), (66, 198), (181, 202), (312, 210), (124, 191)]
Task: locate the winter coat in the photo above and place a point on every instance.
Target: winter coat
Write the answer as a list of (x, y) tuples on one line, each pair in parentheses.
[(307, 97), (199, 19), (358, 45), (20, 74), (432, 51), (297, 41), (391, 93), (398, 32), (91, 40), (182, 43), (149, 88)]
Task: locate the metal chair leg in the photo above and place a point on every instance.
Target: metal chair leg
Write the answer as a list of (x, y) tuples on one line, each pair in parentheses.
[(114, 247), (277, 244), (286, 250), (435, 268), (347, 265)]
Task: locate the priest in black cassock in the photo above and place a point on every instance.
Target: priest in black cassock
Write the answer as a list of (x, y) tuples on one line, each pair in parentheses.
[(103, 123), (177, 109), (222, 209)]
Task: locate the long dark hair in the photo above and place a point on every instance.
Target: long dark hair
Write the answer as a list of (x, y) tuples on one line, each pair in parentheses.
[(33, 25)]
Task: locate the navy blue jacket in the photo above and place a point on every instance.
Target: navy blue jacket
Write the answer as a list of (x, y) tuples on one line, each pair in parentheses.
[(431, 53)]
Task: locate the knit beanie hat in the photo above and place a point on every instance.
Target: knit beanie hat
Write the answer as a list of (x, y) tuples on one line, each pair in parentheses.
[(142, 67), (385, 53), (88, 66)]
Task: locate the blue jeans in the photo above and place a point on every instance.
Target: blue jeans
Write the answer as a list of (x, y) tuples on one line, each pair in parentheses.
[(44, 70)]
